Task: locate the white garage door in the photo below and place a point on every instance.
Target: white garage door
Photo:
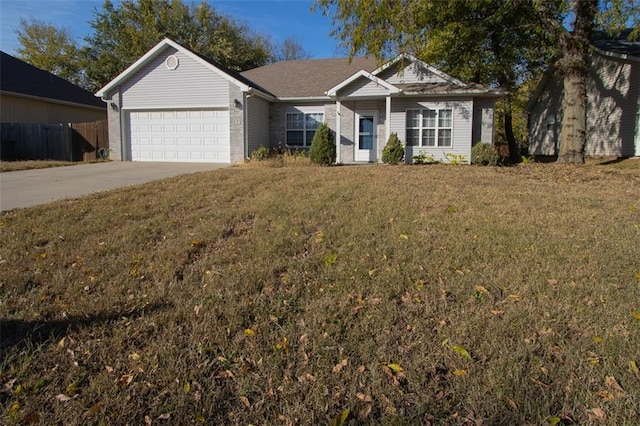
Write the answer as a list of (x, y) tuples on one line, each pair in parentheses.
[(182, 136)]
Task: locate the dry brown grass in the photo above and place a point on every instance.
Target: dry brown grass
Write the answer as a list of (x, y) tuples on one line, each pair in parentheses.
[(287, 295)]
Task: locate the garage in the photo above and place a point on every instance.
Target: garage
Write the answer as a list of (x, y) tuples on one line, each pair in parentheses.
[(180, 135)]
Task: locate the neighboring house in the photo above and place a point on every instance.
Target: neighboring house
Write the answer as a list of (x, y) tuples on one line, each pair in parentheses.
[(173, 105), (613, 103), (31, 95)]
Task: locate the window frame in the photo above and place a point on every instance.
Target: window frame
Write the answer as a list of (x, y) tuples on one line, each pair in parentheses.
[(306, 141), (433, 123)]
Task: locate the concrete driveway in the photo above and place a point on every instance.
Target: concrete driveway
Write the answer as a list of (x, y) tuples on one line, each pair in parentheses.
[(26, 188)]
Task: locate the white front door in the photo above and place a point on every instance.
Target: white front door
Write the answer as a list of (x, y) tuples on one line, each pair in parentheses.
[(366, 136)]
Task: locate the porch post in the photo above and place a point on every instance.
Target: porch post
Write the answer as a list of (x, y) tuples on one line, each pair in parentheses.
[(387, 118), (387, 122), (338, 134)]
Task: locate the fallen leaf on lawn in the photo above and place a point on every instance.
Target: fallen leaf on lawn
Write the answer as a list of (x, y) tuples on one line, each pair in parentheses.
[(108, 368), (482, 289), (605, 395), (371, 272), (339, 366), (404, 236), (134, 356), (634, 367), (126, 379), (61, 342), (165, 416), (514, 296), (95, 408), (196, 309), (462, 352), (225, 374), (598, 339), (636, 315), (363, 397), (613, 384), (14, 407), (62, 397), (497, 312), (148, 421), (597, 414), (460, 373), (512, 404), (342, 418), (554, 420), (395, 367), (187, 387), (245, 401), (249, 332), (552, 282), (362, 368), (364, 413)]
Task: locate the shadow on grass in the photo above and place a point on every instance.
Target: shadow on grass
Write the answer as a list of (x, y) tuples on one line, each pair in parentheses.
[(15, 333), (612, 161)]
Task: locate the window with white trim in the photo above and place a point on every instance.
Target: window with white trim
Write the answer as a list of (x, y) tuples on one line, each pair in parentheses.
[(429, 127), (300, 127)]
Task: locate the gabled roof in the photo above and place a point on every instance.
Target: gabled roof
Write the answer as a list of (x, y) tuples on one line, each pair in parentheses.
[(232, 76), (307, 78), (20, 78), (424, 65), (620, 44), (362, 74)]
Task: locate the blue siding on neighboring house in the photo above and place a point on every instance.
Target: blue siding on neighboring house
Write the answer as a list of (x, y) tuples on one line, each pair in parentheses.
[(190, 85)]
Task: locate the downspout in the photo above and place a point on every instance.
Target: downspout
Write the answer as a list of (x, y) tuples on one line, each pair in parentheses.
[(245, 124), (338, 131), (123, 128)]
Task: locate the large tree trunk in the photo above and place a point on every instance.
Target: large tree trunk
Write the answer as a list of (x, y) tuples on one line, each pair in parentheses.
[(575, 65), (514, 155), (573, 135)]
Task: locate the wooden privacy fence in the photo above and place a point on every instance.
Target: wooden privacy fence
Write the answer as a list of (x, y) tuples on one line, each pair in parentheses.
[(64, 142)]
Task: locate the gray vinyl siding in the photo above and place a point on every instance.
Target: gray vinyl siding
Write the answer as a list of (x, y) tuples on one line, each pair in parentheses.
[(613, 92), (483, 118), (613, 96), (190, 85), (412, 73), (545, 119), (461, 122), (257, 123), (363, 87)]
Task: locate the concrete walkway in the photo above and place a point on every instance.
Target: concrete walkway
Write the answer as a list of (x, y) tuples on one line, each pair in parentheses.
[(26, 188)]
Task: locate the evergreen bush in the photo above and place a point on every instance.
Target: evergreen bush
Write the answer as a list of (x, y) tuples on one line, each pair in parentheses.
[(393, 152), (323, 148), (484, 154)]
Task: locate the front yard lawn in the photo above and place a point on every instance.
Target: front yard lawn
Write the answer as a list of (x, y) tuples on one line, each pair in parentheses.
[(405, 295)]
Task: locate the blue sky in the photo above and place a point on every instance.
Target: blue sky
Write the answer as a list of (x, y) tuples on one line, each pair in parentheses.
[(279, 19)]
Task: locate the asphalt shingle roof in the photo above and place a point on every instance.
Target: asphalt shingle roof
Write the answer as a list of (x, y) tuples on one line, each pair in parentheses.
[(307, 78), (20, 77), (620, 44)]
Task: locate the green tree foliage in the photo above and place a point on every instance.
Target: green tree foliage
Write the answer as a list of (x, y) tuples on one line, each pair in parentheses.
[(393, 152), (323, 148), (50, 48), (125, 31)]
